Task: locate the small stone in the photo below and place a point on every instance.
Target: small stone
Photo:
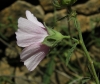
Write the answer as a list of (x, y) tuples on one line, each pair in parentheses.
[(90, 7), (46, 4)]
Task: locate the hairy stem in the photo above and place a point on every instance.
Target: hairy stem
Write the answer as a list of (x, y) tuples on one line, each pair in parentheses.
[(86, 52)]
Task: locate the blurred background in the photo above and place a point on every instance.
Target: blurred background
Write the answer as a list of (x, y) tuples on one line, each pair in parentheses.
[(50, 70)]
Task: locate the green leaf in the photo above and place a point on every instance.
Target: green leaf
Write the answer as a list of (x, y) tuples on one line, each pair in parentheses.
[(79, 80), (5, 79), (49, 71), (84, 80), (70, 53), (4, 37), (56, 3)]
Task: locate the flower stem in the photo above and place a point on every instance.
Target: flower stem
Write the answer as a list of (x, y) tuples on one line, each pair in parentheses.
[(68, 37), (86, 52), (90, 62)]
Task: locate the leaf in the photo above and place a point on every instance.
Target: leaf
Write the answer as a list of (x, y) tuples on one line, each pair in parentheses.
[(5, 79), (49, 71), (70, 53), (79, 80), (4, 37), (85, 80)]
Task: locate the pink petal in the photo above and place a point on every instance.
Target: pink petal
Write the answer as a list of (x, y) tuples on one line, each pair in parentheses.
[(33, 54), (28, 33), (29, 27), (32, 18)]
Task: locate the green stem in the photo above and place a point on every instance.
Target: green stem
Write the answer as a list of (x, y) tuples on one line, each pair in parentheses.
[(86, 52), (68, 37), (90, 62), (68, 20)]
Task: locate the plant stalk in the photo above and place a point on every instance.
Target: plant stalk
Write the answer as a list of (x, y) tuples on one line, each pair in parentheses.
[(86, 52)]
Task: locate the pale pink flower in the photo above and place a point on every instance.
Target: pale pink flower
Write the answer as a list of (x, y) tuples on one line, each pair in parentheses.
[(30, 34)]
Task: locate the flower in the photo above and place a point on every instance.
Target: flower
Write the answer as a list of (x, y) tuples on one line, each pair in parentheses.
[(30, 34)]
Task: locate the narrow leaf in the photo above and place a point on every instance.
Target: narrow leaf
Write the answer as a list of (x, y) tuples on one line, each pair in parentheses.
[(49, 71), (70, 53)]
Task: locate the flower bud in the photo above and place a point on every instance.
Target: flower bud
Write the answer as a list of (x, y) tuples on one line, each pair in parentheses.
[(67, 2), (56, 3), (63, 3)]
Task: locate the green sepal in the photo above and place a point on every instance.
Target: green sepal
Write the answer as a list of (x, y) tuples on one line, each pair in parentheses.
[(50, 30), (53, 40), (68, 2), (54, 37)]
